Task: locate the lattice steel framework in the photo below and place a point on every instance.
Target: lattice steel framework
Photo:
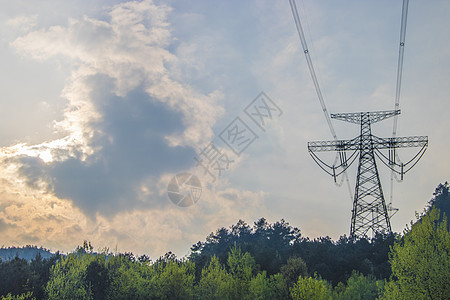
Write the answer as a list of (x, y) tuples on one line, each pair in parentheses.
[(369, 212)]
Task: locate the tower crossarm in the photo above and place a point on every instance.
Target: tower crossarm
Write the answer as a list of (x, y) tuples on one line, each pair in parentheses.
[(399, 142), (391, 160), (374, 116), (338, 145)]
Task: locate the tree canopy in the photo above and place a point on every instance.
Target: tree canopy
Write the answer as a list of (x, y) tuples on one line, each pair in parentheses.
[(421, 261)]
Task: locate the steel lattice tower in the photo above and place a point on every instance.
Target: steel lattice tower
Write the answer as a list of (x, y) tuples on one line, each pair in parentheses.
[(369, 212)]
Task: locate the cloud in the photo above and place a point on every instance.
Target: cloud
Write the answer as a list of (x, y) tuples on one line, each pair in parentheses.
[(23, 22), (127, 121), (132, 149), (5, 225), (132, 49)]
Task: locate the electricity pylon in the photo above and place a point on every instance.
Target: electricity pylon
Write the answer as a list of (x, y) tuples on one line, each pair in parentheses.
[(369, 207)]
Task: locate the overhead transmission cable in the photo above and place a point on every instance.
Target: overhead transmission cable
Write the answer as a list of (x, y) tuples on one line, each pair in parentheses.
[(399, 80), (314, 78), (400, 63), (310, 66)]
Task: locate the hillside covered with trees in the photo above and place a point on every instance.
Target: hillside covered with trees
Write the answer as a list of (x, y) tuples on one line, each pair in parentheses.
[(29, 253), (259, 261)]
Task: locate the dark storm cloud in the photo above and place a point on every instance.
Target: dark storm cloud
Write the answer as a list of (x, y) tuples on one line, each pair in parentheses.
[(34, 171), (130, 148)]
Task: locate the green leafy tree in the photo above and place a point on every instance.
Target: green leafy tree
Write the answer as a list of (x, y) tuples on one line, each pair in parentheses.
[(24, 296), (260, 288), (280, 289), (215, 282), (241, 266), (19, 276), (88, 275), (67, 279), (421, 262), (269, 244), (294, 268), (441, 201), (40, 273), (16, 277), (176, 280), (98, 279), (359, 287), (307, 288), (129, 279)]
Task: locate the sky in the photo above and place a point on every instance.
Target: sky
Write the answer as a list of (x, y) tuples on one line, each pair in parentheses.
[(106, 104)]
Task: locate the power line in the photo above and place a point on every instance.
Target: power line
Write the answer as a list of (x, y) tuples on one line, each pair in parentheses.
[(301, 35), (399, 82), (400, 63), (310, 66)]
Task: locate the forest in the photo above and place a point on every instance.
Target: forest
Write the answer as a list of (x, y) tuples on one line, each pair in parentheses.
[(259, 261)]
